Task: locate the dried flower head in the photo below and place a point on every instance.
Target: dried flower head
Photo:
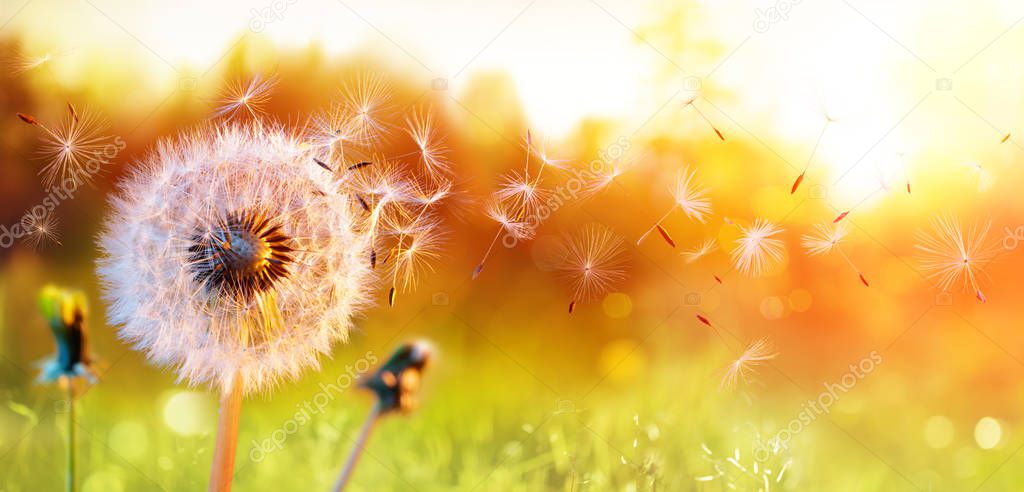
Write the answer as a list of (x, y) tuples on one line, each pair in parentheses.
[(65, 311), (232, 253), (950, 256), (756, 250)]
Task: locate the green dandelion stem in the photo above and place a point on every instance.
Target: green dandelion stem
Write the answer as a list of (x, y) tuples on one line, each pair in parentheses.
[(360, 445), (71, 434)]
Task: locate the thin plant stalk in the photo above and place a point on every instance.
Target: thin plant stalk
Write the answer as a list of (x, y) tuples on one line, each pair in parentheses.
[(227, 437), (359, 447), (656, 224), (71, 434)]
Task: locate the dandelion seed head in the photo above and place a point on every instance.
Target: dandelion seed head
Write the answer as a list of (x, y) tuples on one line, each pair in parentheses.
[(757, 250), (229, 252)]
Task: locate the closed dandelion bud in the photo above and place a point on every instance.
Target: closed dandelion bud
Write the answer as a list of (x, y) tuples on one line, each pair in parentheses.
[(396, 383), (65, 312)]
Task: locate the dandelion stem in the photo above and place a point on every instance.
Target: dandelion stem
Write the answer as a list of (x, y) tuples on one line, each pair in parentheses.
[(359, 447), (227, 437), (71, 433)]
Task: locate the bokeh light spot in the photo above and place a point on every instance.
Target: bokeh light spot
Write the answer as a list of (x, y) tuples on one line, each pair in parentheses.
[(103, 481), (189, 413), (130, 439), (987, 433), (772, 307), (938, 432), (800, 300), (617, 305), (621, 360)]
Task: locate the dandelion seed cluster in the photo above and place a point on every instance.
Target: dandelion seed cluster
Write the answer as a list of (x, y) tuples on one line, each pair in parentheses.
[(242, 252)]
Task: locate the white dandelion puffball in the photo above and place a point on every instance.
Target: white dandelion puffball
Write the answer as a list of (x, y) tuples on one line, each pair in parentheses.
[(231, 256)]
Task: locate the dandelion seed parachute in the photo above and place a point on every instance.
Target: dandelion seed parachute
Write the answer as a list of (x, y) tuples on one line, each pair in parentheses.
[(744, 368), (229, 251), (826, 238), (245, 97), (690, 197), (757, 249), (592, 262), (708, 246), (41, 230), (951, 255), (69, 148)]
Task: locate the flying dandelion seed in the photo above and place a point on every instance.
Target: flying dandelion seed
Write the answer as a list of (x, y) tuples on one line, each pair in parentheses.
[(366, 100), (336, 131), (70, 150), (517, 188), (744, 368), (950, 256), (540, 152), (418, 242), (692, 102), (984, 177), (606, 179), (514, 205), (22, 63), (508, 217), (41, 231), (433, 155), (814, 151), (827, 238), (592, 261), (245, 98), (707, 247), (757, 250), (690, 197)]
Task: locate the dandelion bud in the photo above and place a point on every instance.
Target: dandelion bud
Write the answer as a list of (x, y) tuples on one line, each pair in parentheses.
[(397, 382), (65, 311)]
